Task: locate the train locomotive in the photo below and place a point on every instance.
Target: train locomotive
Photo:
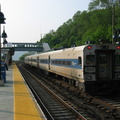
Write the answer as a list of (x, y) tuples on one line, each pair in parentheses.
[(92, 68)]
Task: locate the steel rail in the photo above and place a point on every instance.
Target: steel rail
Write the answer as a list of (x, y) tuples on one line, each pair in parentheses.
[(79, 116)]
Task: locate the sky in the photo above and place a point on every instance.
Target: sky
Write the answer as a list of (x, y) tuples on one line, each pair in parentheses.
[(28, 20)]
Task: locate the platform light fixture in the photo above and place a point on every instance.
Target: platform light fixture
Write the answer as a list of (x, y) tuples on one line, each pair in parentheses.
[(4, 36), (2, 21)]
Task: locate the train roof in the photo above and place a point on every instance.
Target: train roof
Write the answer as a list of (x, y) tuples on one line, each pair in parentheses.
[(81, 48)]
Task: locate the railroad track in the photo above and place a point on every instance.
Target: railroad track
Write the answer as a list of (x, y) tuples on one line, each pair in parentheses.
[(87, 106), (53, 106), (113, 101)]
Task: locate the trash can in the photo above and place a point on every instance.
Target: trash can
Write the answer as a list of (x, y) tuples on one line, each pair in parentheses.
[(3, 72)]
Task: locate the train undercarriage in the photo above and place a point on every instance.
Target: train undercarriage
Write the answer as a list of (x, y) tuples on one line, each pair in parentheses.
[(103, 87)]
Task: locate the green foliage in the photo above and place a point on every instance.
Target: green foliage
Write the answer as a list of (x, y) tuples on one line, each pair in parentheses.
[(91, 25), (23, 56)]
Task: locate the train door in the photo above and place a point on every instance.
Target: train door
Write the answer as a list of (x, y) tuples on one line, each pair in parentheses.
[(28, 61), (105, 67), (31, 61), (49, 62), (37, 61)]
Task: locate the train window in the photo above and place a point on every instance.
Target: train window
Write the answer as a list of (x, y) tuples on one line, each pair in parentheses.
[(53, 61), (90, 59), (43, 61), (103, 59), (68, 62), (59, 62), (117, 59), (34, 60), (63, 62), (79, 60)]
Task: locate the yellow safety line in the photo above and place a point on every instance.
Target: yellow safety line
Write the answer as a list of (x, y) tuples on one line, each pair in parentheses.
[(24, 107)]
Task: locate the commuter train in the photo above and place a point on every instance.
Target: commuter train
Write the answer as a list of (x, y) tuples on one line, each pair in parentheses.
[(92, 68)]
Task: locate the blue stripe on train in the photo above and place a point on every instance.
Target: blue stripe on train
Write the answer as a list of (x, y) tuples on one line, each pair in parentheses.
[(73, 62)]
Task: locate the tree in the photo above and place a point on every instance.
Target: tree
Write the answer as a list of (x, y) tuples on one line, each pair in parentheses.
[(101, 4), (23, 56), (91, 25)]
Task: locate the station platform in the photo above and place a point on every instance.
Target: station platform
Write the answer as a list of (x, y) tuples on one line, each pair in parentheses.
[(16, 100)]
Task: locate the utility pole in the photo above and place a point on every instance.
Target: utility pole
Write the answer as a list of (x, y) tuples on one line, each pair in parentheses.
[(113, 21)]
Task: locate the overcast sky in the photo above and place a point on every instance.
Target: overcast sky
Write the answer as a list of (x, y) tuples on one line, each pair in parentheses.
[(26, 20)]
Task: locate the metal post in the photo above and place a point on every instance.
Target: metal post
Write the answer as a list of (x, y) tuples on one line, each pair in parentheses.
[(0, 51), (1, 22), (1, 81)]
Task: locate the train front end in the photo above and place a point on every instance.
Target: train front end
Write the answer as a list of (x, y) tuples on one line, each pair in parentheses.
[(102, 68)]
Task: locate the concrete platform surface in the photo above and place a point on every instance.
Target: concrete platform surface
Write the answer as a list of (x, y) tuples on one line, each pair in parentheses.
[(16, 100)]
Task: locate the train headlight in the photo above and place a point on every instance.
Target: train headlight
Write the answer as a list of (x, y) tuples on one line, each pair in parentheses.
[(117, 69), (117, 76), (89, 77)]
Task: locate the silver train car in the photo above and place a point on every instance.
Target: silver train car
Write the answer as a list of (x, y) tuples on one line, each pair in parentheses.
[(91, 68)]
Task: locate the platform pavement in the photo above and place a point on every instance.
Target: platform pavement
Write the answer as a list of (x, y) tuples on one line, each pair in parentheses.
[(6, 97), (8, 104)]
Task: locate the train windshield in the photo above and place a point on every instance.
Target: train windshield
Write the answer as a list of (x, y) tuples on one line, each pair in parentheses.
[(117, 59), (103, 59), (90, 59)]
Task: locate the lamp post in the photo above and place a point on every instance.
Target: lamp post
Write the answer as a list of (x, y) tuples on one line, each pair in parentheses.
[(2, 21), (4, 36)]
